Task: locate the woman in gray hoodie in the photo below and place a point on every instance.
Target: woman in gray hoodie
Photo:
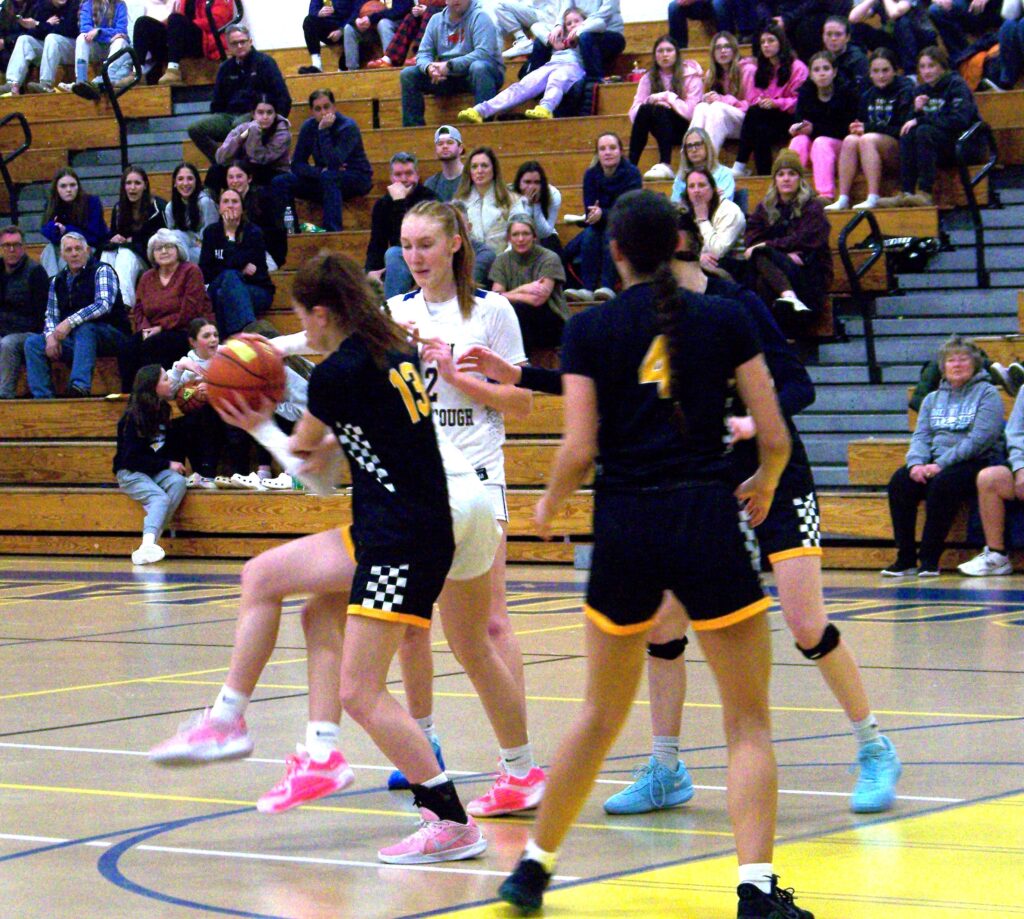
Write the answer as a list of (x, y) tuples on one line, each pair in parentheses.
[(959, 432)]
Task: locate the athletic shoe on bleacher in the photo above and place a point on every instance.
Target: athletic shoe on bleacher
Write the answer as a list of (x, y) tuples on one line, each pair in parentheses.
[(604, 293), (520, 48), (539, 113), (471, 116), (35, 88), (172, 75), (282, 482), (308, 69), (201, 739), (86, 90), (306, 780), (1000, 376), (894, 200), (659, 171), (580, 295), (148, 555)]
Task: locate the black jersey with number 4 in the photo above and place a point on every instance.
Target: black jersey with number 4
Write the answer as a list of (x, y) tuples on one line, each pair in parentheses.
[(382, 419), (618, 345)]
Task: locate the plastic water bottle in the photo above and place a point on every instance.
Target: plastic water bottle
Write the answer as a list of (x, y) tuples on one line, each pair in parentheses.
[(289, 221)]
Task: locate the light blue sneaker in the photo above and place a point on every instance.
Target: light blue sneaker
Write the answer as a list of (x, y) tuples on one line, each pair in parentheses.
[(654, 788), (397, 780), (880, 770)]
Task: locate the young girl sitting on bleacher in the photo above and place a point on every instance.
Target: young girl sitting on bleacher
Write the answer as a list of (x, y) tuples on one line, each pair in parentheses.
[(191, 209), (728, 85), (263, 144), (70, 208), (137, 215), (202, 429)]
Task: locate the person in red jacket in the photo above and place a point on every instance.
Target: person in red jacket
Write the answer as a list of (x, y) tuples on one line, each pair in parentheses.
[(183, 32)]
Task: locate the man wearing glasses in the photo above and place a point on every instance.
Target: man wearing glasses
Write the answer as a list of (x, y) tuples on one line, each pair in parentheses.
[(246, 75), (24, 288)]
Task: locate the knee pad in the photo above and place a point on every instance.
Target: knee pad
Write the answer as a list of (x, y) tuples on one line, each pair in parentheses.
[(669, 650), (829, 642)]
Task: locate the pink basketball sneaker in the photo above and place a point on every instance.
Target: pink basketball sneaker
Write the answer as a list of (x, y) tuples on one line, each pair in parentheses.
[(436, 841), (509, 794), (306, 780), (203, 740)]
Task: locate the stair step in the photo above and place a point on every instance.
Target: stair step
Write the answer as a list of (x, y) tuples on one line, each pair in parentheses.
[(964, 259), (858, 373), (966, 325), (956, 279), (894, 307), (879, 424), (992, 237), (1004, 218), (198, 107), (964, 300), (888, 350), (824, 451), (830, 476), (887, 397)]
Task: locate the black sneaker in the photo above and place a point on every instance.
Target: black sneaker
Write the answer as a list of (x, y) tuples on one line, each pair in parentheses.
[(76, 392), (900, 569), (1016, 373), (86, 90), (1000, 376), (524, 888), (308, 69), (756, 904)]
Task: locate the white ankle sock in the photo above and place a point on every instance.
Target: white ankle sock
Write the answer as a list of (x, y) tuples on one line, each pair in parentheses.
[(666, 752), (544, 858), (866, 730), (149, 539), (759, 874), (230, 705), (316, 61), (427, 726), (872, 199), (171, 65), (438, 779), (843, 201), (322, 738), (518, 761)]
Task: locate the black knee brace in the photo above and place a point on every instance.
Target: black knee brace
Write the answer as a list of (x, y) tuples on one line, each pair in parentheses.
[(669, 650), (829, 642)]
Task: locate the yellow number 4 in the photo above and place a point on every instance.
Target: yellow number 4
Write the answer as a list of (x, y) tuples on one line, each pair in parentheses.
[(417, 402), (654, 368)]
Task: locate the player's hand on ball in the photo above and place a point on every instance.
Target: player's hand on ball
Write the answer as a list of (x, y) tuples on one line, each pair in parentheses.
[(239, 414), (755, 496)]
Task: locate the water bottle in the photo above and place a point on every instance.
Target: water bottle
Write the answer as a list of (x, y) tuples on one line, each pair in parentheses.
[(289, 221)]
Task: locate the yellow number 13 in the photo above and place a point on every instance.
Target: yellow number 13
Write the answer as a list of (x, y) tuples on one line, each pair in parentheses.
[(654, 368), (406, 379)]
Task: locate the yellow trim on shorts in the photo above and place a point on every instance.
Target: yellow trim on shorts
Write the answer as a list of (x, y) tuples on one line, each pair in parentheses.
[(354, 609), (798, 552), (610, 628), (723, 622), (346, 538)]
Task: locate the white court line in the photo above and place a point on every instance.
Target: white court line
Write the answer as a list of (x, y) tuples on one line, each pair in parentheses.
[(254, 759), (267, 857)]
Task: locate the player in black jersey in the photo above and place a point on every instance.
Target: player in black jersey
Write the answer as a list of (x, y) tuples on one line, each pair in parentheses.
[(647, 377)]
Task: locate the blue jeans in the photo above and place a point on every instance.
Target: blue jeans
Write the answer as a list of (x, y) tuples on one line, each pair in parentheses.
[(236, 303), (1011, 52), (330, 188), (596, 266), (483, 80), (954, 24), (79, 349), (397, 276), (598, 51)]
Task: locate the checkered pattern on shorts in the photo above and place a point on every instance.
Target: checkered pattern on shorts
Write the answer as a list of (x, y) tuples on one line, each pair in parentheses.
[(750, 542), (809, 520), (359, 448), (385, 588)]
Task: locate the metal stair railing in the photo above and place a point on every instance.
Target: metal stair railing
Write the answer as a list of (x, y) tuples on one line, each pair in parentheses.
[(115, 95), (14, 188), (875, 243), (965, 145), (218, 32)]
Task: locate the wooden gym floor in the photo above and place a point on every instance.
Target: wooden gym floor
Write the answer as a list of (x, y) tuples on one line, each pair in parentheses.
[(98, 662)]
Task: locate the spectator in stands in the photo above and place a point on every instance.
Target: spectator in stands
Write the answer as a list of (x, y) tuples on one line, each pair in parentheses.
[(325, 25), (241, 80), (145, 464), (1011, 46), (69, 208), (958, 433), (49, 17), (191, 209), (339, 169), (12, 16), (168, 298), (788, 246), (700, 153), (384, 260), (720, 222), (200, 427), (24, 288), (85, 317), (542, 201), (381, 24), (487, 198), (777, 80), (910, 30), (850, 60), (956, 20), (532, 278), (173, 30), (519, 19), (943, 109), (663, 105), (459, 53), (262, 144), (601, 38), (826, 106), (263, 209), (873, 142), (102, 33), (804, 21), (611, 176), (727, 15), (149, 36), (728, 86), (483, 255), (448, 149), (234, 264), (137, 215), (401, 52), (550, 81)]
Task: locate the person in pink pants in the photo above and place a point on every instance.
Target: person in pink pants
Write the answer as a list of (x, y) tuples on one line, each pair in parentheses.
[(727, 84)]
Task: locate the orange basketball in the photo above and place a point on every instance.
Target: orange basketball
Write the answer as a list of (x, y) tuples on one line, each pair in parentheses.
[(371, 7), (247, 365)]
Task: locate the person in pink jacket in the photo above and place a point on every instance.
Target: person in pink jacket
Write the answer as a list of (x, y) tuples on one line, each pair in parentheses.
[(663, 105), (728, 85), (777, 78)]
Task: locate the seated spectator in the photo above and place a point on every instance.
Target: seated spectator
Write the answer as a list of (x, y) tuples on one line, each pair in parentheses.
[(483, 255), (49, 17), (910, 30), (777, 79), (611, 175), (185, 33), (202, 431), (958, 433), (242, 79), (532, 277), (700, 153), (520, 19), (12, 15), (69, 208), (339, 169), (384, 261), (601, 37), (728, 86), (234, 264), (85, 318), (262, 144), (102, 33), (24, 289), (361, 29), (549, 81), (957, 20), (873, 142), (663, 105), (724, 14), (448, 149), (788, 246), (943, 109), (804, 20), (263, 209), (149, 36), (168, 298), (719, 221), (137, 215), (325, 25), (191, 209), (487, 199), (401, 51), (825, 108), (542, 202), (850, 61), (459, 53)]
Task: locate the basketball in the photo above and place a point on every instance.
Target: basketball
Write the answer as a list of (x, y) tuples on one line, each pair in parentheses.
[(247, 365), (371, 7)]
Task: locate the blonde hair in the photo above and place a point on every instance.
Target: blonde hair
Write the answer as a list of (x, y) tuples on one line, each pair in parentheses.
[(728, 81), (800, 199), (452, 223), (501, 193)]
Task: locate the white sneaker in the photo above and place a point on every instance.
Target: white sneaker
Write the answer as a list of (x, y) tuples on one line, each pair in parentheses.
[(840, 204), (604, 293), (146, 555), (519, 48), (793, 303), (659, 171), (986, 564)]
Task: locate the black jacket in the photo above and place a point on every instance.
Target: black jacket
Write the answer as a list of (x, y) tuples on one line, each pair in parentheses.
[(885, 111), (136, 453), (950, 106), (386, 223), (831, 118), (219, 254), (239, 85), (23, 296), (140, 237)]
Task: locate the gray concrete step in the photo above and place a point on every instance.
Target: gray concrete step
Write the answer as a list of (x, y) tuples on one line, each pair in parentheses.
[(887, 397), (823, 374), (961, 279), (968, 301), (966, 325), (888, 424)]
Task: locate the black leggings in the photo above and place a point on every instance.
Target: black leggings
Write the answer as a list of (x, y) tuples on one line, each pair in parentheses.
[(163, 348), (667, 127), (201, 436), (922, 149), (178, 39), (763, 128), (315, 29)]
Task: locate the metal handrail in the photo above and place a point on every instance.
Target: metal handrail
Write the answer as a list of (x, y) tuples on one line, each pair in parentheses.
[(978, 129), (14, 188), (217, 32), (874, 241), (115, 94)]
